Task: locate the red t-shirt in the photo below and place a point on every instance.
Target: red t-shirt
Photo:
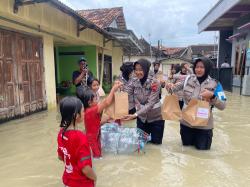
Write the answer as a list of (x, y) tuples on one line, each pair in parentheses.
[(74, 149), (92, 120)]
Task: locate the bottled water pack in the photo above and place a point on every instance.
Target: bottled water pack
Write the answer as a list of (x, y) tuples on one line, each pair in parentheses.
[(121, 140)]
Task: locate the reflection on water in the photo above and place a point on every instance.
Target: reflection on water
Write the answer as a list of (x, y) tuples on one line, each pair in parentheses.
[(28, 155)]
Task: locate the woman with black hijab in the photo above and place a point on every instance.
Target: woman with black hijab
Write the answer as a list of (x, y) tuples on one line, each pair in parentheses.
[(145, 89), (127, 69), (200, 86)]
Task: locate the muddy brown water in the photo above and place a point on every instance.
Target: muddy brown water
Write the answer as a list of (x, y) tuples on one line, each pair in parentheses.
[(28, 155)]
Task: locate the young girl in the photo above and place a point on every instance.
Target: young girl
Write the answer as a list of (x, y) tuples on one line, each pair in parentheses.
[(94, 85), (73, 148), (92, 117)]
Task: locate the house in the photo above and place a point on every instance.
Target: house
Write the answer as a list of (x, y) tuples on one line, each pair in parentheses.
[(40, 44), (174, 56), (113, 21), (200, 50), (178, 55), (232, 20), (149, 52), (173, 51)]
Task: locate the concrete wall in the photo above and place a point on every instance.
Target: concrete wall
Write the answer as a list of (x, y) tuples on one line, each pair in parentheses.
[(55, 27), (117, 60), (67, 64), (43, 16), (165, 67), (48, 56), (135, 58), (242, 43)]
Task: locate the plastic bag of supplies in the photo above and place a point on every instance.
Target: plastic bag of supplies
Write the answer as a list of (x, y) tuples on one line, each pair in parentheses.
[(122, 140)]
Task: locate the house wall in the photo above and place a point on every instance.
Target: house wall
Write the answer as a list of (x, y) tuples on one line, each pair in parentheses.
[(55, 27), (135, 58), (48, 19), (242, 43), (225, 47), (67, 64), (48, 56), (167, 64), (117, 60), (43, 16), (188, 54)]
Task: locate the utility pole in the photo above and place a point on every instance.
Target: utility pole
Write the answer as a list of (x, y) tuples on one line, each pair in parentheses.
[(158, 55), (150, 45), (216, 54)]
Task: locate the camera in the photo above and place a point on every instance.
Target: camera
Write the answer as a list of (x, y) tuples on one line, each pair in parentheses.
[(85, 66)]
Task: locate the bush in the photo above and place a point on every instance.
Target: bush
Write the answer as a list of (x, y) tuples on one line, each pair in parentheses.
[(106, 87)]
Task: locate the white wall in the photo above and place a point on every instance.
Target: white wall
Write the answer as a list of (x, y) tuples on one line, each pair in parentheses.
[(48, 58)]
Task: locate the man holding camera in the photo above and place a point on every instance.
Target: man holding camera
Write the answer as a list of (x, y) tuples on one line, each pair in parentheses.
[(80, 77)]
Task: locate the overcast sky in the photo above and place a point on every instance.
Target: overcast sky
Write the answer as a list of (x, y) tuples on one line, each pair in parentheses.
[(172, 21)]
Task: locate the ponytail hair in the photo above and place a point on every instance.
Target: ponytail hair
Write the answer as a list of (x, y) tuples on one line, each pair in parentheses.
[(69, 108)]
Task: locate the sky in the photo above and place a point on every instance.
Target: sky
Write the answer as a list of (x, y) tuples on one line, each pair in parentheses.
[(174, 22)]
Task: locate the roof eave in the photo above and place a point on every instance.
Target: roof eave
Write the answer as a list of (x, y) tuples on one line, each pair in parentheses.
[(128, 35), (79, 18), (213, 14)]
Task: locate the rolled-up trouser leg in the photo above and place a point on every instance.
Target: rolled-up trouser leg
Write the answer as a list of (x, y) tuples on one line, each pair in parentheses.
[(157, 130), (203, 139)]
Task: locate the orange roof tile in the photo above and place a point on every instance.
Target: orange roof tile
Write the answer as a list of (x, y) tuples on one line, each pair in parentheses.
[(105, 16)]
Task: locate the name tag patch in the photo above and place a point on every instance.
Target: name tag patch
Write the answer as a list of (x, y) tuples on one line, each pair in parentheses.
[(202, 113)]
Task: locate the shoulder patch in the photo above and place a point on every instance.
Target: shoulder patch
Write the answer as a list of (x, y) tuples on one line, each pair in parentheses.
[(154, 87)]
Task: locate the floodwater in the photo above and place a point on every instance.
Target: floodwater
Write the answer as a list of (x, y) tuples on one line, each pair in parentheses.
[(28, 156)]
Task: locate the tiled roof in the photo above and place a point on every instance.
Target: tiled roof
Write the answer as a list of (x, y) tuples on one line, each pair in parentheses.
[(146, 50), (83, 21), (146, 47), (176, 51), (105, 16), (203, 49)]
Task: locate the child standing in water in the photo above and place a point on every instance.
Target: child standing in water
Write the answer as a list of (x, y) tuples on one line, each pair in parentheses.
[(73, 148), (92, 116), (94, 85)]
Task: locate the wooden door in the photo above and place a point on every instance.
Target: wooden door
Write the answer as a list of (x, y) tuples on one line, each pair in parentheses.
[(30, 74), (9, 100), (22, 89)]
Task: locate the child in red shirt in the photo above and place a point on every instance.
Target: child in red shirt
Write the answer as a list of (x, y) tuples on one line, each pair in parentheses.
[(73, 148), (92, 116)]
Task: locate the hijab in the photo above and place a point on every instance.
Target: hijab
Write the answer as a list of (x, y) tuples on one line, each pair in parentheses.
[(207, 65), (126, 69), (154, 63), (145, 64)]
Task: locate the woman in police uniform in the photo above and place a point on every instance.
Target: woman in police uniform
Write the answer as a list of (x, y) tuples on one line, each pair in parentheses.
[(199, 86), (146, 89)]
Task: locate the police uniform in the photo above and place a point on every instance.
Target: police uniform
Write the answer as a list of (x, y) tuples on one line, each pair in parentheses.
[(200, 137), (159, 76), (148, 106)]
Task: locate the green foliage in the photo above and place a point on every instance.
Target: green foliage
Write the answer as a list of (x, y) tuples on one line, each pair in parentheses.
[(115, 77), (106, 87)]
